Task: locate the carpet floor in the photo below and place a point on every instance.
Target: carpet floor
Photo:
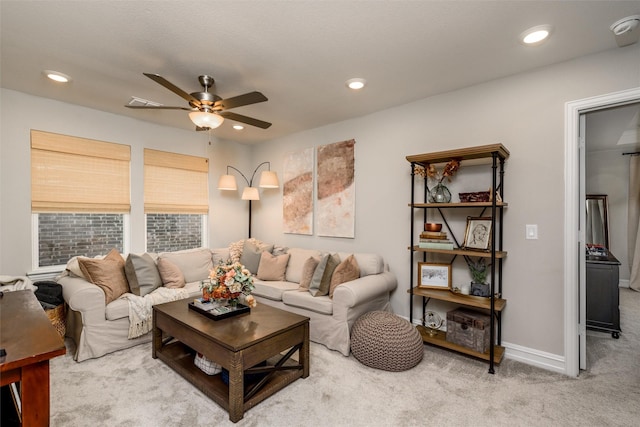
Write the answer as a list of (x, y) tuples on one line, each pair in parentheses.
[(129, 388)]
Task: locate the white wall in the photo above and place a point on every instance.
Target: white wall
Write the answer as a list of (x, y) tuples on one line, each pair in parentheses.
[(608, 173), (18, 118), (523, 112)]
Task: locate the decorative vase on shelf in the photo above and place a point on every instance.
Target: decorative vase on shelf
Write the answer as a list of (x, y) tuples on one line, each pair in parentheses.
[(439, 194), (233, 302)]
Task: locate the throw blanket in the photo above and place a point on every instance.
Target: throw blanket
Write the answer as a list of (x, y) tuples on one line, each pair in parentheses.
[(140, 308), (16, 283)]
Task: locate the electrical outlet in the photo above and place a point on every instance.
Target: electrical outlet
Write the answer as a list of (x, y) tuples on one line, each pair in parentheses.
[(531, 231)]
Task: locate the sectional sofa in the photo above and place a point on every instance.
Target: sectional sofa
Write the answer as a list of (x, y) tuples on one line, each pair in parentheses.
[(332, 289)]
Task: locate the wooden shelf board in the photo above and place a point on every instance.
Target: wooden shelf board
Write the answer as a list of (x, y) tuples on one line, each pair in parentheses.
[(440, 340), (468, 300), (459, 205), (479, 152), (463, 252)]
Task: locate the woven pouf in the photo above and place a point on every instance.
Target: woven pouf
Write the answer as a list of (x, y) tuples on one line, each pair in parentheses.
[(382, 340)]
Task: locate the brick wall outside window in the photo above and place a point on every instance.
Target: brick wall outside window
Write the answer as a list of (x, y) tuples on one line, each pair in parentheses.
[(173, 232), (62, 236)]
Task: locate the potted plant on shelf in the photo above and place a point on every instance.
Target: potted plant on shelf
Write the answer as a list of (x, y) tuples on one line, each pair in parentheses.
[(479, 271)]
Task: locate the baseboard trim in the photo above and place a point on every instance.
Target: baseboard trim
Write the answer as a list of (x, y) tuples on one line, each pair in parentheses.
[(530, 356)]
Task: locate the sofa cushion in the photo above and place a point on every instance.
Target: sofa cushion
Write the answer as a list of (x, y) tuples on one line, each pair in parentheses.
[(193, 263), (272, 289), (251, 254), (142, 274), (107, 273), (235, 248), (272, 267), (308, 269), (314, 286), (171, 275), (368, 263), (346, 271), (325, 283), (305, 300), (296, 262), (220, 256)]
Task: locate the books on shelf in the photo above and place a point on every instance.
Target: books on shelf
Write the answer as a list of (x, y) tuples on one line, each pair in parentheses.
[(434, 235), (435, 244)]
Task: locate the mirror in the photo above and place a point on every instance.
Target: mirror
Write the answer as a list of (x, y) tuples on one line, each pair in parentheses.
[(597, 224)]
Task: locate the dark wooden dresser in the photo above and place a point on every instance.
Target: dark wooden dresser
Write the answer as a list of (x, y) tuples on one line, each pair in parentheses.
[(603, 295)]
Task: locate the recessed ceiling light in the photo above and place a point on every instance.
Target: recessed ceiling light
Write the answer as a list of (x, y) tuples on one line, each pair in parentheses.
[(238, 127), (356, 84), (57, 76), (535, 35)]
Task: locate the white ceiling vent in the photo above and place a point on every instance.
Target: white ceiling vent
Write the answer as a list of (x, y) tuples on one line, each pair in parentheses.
[(626, 30), (139, 102)]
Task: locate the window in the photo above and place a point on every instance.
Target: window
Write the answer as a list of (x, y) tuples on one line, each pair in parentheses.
[(176, 200), (79, 197)]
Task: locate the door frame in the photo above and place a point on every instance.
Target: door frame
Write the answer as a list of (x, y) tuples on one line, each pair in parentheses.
[(574, 289)]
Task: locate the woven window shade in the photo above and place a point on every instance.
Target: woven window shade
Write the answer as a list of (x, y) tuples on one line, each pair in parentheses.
[(175, 183), (71, 174)]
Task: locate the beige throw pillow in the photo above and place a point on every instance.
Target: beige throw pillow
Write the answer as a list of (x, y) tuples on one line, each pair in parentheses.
[(308, 269), (272, 267), (171, 275), (332, 263), (107, 273), (346, 271)]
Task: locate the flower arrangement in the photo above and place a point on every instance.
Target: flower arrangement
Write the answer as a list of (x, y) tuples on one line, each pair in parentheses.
[(430, 171), (230, 281)]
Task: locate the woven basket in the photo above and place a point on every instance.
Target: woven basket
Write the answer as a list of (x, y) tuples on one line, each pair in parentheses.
[(57, 317)]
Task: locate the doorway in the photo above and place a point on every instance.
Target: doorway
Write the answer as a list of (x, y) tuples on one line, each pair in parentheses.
[(574, 261)]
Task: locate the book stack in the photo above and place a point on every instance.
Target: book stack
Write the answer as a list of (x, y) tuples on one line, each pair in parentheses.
[(434, 240)]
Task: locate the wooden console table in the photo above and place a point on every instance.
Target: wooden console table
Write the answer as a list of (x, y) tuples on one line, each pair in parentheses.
[(30, 341)]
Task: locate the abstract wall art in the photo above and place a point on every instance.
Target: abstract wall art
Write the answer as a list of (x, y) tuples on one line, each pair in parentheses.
[(336, 189), (297, 204)]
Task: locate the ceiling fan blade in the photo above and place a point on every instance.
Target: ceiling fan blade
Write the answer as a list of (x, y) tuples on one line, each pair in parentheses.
[(240, 100), (173, 88), (159, 107), (244, 119)]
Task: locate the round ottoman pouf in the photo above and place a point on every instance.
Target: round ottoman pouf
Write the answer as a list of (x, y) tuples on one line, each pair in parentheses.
[(382, 340)]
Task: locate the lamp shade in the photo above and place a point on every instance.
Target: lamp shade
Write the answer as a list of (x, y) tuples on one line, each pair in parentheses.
[(204, 119), (227, 182), (250, 193), (269, 179)]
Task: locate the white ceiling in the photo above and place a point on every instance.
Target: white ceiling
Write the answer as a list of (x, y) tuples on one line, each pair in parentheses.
[(298, 53)]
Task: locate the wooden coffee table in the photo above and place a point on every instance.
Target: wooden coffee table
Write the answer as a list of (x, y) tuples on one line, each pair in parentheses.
[(30, 341), (238, 344)]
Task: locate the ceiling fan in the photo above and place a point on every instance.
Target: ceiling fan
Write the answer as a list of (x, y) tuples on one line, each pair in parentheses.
[(208, 110)]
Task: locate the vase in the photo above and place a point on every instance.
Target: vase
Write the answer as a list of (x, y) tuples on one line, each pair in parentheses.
[(440, 194), (233, 302)]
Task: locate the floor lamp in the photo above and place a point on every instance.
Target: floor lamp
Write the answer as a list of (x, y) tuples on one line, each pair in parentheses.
[(268, 179)]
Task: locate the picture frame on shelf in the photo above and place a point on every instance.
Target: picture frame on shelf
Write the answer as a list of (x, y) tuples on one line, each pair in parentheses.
[(434, 275), (478, 233)]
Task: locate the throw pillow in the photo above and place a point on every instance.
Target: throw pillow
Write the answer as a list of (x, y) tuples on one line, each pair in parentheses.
[(171, 275), (142, 274), (107, 273), (308, 269), (251, 254), (272, 267), (346, 271), (325, 283), (314, 285)]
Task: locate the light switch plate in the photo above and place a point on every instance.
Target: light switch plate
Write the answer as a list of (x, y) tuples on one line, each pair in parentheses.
[(531, 231)]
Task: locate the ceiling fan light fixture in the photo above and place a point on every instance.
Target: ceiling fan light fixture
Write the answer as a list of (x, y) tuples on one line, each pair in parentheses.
[(535, 35), (238, 127), (356, 83), (204, 119), (57, 76)]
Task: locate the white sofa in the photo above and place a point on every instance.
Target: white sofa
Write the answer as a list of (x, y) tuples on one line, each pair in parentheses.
[(99, 328)]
